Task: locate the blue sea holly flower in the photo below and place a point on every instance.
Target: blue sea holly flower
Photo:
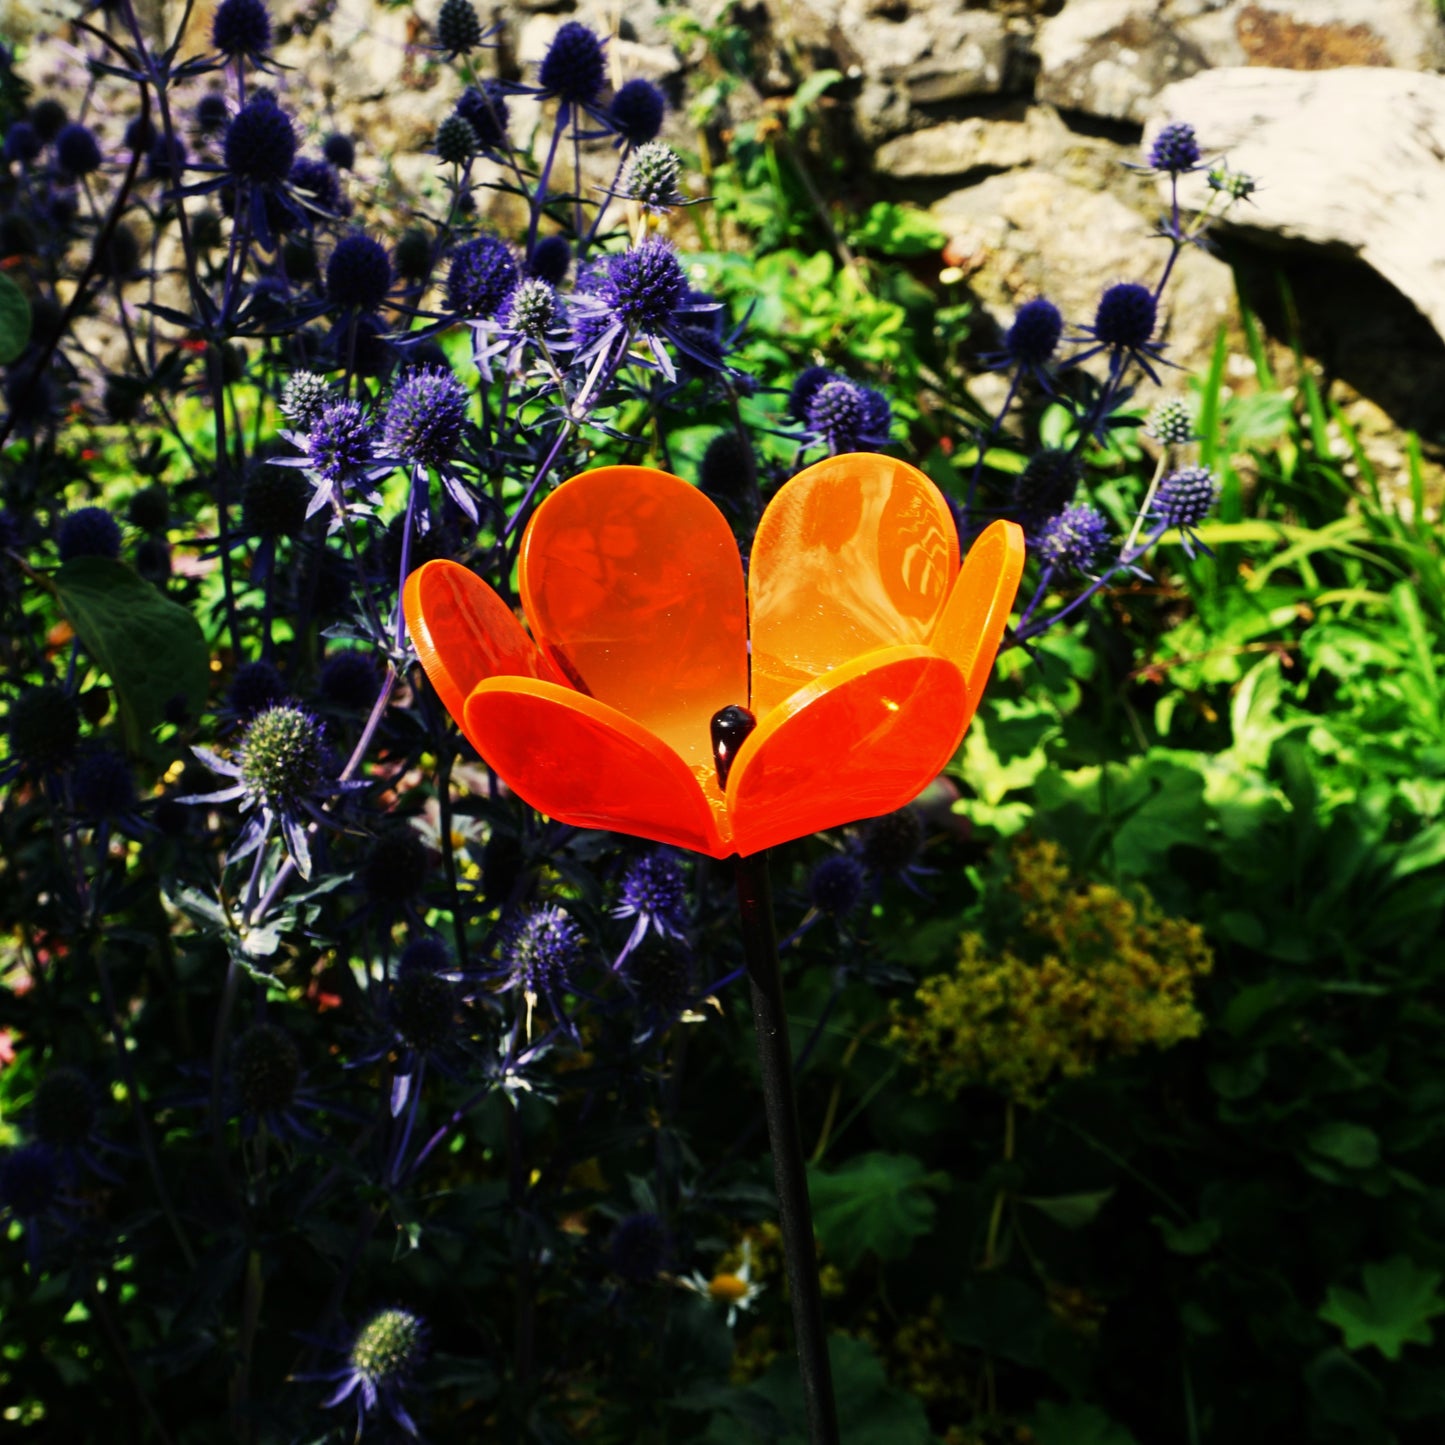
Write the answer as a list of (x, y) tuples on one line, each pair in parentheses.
[(358, 273), (43, 732), (22, 143), (1175, 150), (268, 1082), (241, 29), (641, 294), (456, 141), (540, 956), (484, 108), (255, 686), (1046, 486), (340, 150), (1184, 499), (1033, 338), (654, 895), (835, 886), (636, 112), (280, 778), (482, 274), (212, 113), (551, 259), (849, 417), (891, 845), (77, 150), (424, 426), (260, 143), (88, 532), (458, 29), (339, 456), (349, 680), (1124, 324), (805, 387), (653, 177), (574, 68), (1074, 540), (318, 187), (102, 788)]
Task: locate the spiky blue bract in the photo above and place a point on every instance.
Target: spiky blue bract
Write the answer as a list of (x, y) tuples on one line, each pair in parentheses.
[(645, 286), (425, 418), (543, 949), (339, 444)]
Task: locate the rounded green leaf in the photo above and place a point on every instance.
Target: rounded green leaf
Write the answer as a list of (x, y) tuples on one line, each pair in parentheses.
[(14, 320)]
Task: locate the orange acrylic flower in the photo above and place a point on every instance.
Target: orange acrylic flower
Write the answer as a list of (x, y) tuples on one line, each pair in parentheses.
[(869, 650)]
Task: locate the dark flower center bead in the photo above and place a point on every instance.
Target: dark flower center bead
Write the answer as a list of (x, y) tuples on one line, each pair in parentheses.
[(730, 728)]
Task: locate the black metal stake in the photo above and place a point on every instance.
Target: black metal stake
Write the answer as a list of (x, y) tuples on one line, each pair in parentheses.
[(795, 1215)]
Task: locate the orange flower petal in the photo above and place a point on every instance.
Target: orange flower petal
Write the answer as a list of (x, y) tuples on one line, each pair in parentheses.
[(585, 763), (863, 740), (977, 610), (852, 555), (464, 633), (633, 586)]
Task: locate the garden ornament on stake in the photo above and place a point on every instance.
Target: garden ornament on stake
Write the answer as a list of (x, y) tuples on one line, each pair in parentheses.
[(660, 695)]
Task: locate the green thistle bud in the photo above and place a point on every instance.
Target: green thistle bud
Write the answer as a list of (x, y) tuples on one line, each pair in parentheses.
[(304, 397), (266, 1065), (533, 309), (389, 1347), (456, 140), (64, 1108), (282, 757), (652, 177), (1170, 423)]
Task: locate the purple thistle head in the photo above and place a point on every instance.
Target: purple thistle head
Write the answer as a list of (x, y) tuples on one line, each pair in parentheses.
[(1125, 317), (574, 67), (551, 259), (809, 381), (485, 110), (1046, 485), (274, 502), (255, 687), (425, 418), (260, 142), (241, 28), (77, 149), (88, 532), (1175, 149), (543, 950), (166, 160), (654, 887), (1185, 497), (639, 1248), (340, 150), (422, 1005), (835, 886), (645, 286), (636, 111), (483, 273), (29, 1180), (43, 725), (266, 1069), (319, 183), (22, 143), (1074, 540), (358, 274), (48, 116), (892, 843), (349, 679), (212, 113), (338, 445), (64, 1109), (1034, 336), (102, 785), (458, 29), (848, 416)]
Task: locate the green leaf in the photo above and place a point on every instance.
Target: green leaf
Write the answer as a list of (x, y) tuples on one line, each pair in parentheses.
[(1399, 1301), (870, 1410), (1071, 1211), (1352, 1145), (896, 230), (153, 650), (1076, 1424), (1197, 1237), (876, 1203), (14, 320)]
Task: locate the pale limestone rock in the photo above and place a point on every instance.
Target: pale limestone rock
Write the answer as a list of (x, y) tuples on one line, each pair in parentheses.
[(1030, 233), (1351, 160)]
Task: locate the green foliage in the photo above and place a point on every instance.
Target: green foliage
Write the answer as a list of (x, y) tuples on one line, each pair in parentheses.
[(152, 649), (873, 1204), (14, 320), (1399, 1301)]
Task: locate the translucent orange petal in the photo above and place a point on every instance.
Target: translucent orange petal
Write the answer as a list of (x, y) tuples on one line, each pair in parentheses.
[(585, 763), (633, 586), (977, 610), (464, 633), (853, 554), (862, 740)]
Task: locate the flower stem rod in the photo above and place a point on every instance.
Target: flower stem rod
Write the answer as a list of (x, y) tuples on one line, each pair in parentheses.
[(795, 1215)]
